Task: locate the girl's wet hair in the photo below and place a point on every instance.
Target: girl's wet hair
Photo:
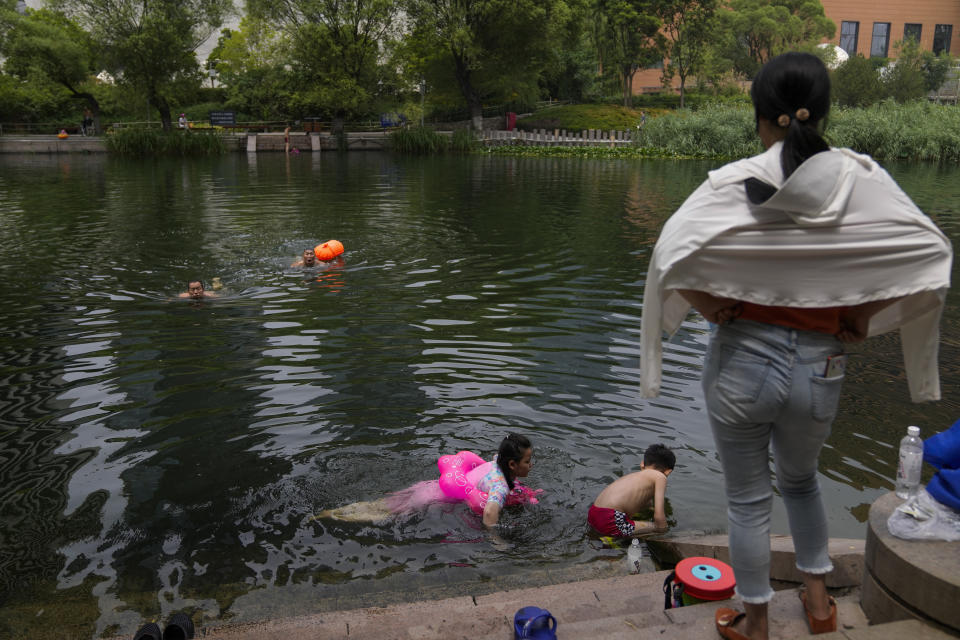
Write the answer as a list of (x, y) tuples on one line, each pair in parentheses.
[(513, 447), (793, 91)]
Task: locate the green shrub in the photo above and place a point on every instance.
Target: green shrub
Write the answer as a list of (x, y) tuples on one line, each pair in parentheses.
[(576, 117), (201, 112), (138, 141), (904, 81), (855, 83)]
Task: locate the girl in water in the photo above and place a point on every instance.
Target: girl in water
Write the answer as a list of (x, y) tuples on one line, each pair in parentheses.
[(499, 479)]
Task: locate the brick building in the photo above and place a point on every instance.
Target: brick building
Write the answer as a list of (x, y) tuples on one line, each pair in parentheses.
[(870, 28)]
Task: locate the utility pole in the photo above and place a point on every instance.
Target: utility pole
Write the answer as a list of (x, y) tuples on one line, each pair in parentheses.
[(423, 92)]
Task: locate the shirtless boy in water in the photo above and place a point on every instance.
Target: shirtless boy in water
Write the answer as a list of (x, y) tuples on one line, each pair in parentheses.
[(610, 513)]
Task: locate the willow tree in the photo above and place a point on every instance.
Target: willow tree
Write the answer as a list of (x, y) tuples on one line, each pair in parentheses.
[(47, 43), (629, 39), (336, 47), (689, 26), (751, 32), (148, 45), (491, 49), (253, 63)]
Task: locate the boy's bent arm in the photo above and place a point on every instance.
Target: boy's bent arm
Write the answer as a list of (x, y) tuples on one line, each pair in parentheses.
[(659, 496)]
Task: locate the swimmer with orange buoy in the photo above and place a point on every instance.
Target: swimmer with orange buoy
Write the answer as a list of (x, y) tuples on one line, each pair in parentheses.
[(323, 252)]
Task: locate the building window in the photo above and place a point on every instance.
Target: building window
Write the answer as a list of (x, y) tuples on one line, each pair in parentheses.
[(912, 30), (881, 40), (942, 34), (848, 36)]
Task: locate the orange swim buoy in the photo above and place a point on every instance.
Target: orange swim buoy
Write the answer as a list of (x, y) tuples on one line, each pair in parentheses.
[(328, 250), (63, 134)]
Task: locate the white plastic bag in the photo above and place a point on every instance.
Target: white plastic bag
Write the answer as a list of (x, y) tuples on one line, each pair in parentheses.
[(924, 518)]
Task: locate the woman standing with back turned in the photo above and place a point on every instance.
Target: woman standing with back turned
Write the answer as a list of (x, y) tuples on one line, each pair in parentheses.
[(791, 254)]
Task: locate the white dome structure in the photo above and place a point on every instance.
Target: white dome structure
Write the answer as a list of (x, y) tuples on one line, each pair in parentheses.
[(835, 55)]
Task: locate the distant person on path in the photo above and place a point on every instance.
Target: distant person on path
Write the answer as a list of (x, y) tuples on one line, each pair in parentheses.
[(308, 260), (87, 123), (182, 121), (610, 513), (196, 291), (790, 254)]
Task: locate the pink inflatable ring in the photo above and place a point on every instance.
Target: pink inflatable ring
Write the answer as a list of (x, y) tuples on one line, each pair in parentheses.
[(459, 474)]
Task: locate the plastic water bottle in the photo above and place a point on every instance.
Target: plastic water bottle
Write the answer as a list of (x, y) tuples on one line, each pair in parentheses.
[(908, 468), (634, 556)]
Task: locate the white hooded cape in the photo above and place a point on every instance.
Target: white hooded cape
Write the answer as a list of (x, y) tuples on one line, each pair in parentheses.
[(838, 232)]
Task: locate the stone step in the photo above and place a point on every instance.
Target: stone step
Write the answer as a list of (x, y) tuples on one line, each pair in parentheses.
[(623, 607)]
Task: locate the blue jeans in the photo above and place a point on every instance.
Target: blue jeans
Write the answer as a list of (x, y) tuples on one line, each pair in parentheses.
[(764, 385)]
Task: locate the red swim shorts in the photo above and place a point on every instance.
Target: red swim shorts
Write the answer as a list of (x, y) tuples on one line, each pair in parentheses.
[(610, 522)]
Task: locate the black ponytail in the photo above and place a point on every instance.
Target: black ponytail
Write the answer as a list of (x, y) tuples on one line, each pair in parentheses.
[(793, 91), (513, 448)]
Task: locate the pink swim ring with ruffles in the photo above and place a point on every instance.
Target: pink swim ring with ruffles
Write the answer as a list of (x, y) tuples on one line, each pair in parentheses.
[(460, 473)]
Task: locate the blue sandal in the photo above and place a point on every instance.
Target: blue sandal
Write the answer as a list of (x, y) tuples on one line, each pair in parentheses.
[(149, 631), (179, 627), (534, 623)]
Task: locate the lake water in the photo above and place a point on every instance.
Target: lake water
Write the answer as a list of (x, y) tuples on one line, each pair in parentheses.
[(160, 454)]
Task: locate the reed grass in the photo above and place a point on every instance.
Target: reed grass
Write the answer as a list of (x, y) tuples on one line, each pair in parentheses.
[(891, 131), (424, 140), (417, 141), (886, 131), (463, 141), (714, 131), (132, 141)]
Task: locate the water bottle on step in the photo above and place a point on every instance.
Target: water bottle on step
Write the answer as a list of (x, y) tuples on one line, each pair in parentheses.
[(908, 467), (634, 556)]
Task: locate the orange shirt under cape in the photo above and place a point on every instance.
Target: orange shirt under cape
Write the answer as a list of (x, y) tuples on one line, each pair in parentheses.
[(822, 320)]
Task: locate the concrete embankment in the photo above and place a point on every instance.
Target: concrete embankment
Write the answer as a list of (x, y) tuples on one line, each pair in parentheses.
[(314, 142), (51, 144), (252, 143)]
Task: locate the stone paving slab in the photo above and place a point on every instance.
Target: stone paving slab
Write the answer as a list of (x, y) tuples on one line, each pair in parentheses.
[(904, 630)]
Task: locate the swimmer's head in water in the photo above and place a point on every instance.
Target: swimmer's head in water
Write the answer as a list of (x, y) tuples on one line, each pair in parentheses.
[(195, 288), (309, 258)]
